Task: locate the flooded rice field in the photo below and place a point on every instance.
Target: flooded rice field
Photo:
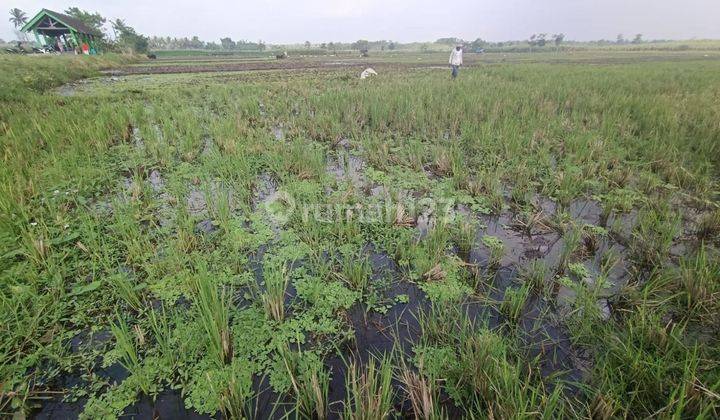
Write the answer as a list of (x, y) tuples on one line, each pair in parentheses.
[(305, 244)]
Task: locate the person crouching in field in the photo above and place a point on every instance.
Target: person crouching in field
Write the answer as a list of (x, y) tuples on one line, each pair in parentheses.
[(456, 60)]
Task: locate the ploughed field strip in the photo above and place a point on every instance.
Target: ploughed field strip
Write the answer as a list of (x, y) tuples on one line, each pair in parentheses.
[(532, 239)]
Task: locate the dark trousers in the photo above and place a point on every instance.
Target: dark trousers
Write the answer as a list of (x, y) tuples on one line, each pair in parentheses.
[(455, 70)]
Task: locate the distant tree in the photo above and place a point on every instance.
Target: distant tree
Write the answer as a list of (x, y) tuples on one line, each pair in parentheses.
[(537, 40), (637, 39), (196, 43), (360, 45), (94, 20), (450, 41), (391, 46), (478, 44), (18, 17), (620, 39), (227, 43), (127, 38), (558, 39), (307, 44), (541, 40), (119, 26)]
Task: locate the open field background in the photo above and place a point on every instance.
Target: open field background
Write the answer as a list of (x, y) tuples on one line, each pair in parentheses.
[(536, 239)]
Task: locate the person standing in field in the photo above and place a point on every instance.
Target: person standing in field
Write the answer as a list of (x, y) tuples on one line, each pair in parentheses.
[(456, 60)]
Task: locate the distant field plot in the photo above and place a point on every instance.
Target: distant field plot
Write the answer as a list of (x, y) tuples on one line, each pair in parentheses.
[(263, 238)]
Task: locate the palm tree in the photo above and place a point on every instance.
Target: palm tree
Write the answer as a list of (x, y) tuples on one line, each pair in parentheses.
[(18, 17)]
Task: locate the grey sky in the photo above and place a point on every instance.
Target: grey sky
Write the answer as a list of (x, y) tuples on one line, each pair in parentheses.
[(286, 21)]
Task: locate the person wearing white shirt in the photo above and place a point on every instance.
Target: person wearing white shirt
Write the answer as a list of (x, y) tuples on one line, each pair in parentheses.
[(456, 60)]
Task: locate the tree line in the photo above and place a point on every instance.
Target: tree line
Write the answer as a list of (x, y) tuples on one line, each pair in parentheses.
[(126, 38)]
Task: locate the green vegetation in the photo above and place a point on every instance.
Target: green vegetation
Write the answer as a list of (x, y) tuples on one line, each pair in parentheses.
[(538, 238)]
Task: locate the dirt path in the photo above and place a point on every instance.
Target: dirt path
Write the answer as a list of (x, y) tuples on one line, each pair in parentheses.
[(244, 66)]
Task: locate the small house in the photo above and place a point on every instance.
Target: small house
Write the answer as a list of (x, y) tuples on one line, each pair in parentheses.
[(61, 32)]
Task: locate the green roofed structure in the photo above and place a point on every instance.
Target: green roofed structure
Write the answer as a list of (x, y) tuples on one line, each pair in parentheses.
[(60, 31)]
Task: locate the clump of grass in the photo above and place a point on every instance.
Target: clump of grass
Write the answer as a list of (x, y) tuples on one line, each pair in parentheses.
[(709, 227), (698, 278), (496, 248), (234, 400), (514, 302), (312, 393), (125, 290), (579, 271), (653, 235), (162, 331), (303, 159), (571, 242), (309, 380), (464, 234), (536, 275), (423, 394), (126, 345), (213, 308), (276, 282), (356, 272), (483, 374), (370, 392), (646, 369)]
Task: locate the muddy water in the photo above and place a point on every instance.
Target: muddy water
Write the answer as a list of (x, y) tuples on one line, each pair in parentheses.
[(167, 405), (278, 133), (196, 203), (587, 211), (520, 248), (346, 167), (264, 190)]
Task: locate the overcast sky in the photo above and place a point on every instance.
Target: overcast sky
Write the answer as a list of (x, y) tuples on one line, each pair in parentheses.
[(289, 21)]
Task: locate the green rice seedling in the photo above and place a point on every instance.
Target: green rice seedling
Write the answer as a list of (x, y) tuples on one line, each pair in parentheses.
[(437, 240), (464, 234), (126, 290), (426, 254), (442, 324), (488, 370), (579, 270), (571, 242), (162, 332), (491, 185), (220, 203), (645, 368), (709, 227), (592, 236), (514, 301), (309, 382), (698, 283), (653, 235), (312, 401), (213, 307), (521, 193), (235, 400), (356, 272), (126, 347), (423, 393), (370, 391), (276, 282), (496, 247), (483, 374), (303, 160), (536, 275), (312, 393)]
